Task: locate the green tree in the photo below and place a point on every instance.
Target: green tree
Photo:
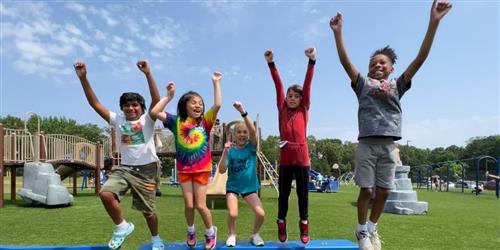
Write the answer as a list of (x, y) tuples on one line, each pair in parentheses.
[(269, 147)]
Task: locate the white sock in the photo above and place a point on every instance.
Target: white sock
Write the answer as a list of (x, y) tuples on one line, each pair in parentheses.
[(361, 228), (191, 229), (154, 238), (304, 222), (122, 226), (372, 227), (210, 231), (281, 221)]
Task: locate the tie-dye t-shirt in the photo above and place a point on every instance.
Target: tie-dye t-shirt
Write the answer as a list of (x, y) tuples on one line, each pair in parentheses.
[(192, 142)]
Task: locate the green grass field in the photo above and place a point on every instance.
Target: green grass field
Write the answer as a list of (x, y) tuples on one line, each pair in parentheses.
[(454, 221)]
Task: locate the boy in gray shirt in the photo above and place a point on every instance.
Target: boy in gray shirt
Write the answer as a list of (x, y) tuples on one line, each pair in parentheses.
[(379, 121)]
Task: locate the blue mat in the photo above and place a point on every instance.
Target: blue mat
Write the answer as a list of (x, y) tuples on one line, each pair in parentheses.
[(97, 247), (270, 245)]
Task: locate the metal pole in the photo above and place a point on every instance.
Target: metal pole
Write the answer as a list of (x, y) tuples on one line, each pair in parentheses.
[(477, 176)]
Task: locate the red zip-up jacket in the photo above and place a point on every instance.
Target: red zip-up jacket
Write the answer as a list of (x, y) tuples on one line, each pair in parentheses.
[(293, 122)]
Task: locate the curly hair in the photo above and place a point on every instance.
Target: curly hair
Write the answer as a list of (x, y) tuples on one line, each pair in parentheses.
[(387, 51)]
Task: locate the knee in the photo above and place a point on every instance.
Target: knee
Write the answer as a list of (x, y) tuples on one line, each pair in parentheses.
[(189, 207), (259, 213), (201, 207), (365, 192), (106, 196), (149, 216), (233, 215)]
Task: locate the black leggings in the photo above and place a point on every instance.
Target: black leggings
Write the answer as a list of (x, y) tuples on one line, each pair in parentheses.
[(286, 174)]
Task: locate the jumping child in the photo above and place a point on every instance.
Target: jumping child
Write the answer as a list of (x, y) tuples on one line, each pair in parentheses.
[(293, 112), (191, 128), (138, 168), (240, 160), (379, 121)]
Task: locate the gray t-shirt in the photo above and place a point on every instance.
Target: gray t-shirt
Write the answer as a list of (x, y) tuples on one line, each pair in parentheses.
[(379, 112)]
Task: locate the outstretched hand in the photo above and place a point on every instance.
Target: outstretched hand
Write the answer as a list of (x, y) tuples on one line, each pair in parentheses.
[(170, 89), (269, 56), (311, 53), (216, 76), (440, 9), (239, 106), (80, 69), (143, 66), (336, 22)]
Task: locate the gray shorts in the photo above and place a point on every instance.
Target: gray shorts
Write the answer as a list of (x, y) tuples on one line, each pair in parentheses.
[(375, 163), (141, 180)]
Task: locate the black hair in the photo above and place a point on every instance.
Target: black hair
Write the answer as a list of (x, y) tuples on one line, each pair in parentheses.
[(181, 105), (387, 51), (296, 88), (130, 97)]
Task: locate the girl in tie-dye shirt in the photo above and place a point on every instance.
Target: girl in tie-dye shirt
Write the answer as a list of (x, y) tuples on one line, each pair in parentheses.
[(191, 128)]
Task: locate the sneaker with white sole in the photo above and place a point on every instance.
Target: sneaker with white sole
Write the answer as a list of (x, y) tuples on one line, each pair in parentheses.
[(211, 240), (256, 240), (231, 240), (364, 241), (375, 240)]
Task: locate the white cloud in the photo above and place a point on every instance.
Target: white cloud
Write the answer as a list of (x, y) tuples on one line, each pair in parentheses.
[(99, 35), (73, 29), (76, 7)]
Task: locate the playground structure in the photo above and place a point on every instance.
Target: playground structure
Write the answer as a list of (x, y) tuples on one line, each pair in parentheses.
[(70, 154), (464, 171), (18, 146)]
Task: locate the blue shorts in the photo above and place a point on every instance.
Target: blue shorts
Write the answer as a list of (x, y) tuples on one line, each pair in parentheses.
[(242, 194)]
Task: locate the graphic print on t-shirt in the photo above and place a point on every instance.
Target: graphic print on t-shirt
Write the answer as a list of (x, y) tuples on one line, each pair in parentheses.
[(382, 89), (132, 133)]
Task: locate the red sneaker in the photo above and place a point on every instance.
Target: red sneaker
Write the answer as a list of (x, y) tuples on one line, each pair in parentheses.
[(304, 232), (282, 235)]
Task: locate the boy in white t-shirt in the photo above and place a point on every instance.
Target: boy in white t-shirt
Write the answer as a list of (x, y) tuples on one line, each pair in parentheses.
[(138, 169)]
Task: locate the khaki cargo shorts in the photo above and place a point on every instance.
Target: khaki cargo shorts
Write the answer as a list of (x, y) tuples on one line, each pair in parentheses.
[(142, 180)]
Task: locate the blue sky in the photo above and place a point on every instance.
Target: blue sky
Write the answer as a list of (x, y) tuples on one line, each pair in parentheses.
[(454, 96)]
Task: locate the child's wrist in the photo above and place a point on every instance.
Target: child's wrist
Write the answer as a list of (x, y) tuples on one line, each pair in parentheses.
[(244, 114)]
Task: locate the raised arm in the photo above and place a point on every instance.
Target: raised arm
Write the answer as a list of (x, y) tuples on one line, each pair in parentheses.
[(216, 77), (248, 122), (278, 84), (157, 111), (143, 66), (438, 11), (222, 162), (81, 72), (306, 88), (350, 69)]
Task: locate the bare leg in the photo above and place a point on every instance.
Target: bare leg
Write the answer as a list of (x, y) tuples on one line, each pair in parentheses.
[(363, 203), (112, 206), (378, 206), (187, 193), (232, 209), (152, 221), (200, 200), (254, 202)]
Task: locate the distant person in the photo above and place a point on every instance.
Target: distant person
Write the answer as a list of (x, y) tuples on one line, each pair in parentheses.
[(191, 128), (240, 161), (293, 114), (137, 172), (494, 177), (217, 134), (379, 120)]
